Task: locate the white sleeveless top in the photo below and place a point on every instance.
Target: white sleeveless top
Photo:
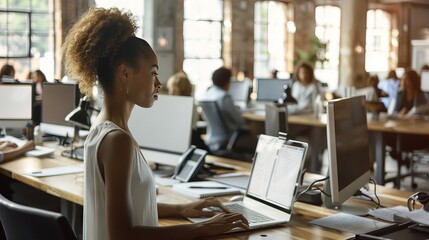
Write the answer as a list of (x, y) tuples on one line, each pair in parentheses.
[(143, 191)]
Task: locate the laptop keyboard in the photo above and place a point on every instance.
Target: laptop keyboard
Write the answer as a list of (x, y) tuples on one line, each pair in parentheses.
[(250, 215)]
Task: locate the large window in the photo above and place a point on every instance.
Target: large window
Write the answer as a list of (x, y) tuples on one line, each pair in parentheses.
[(27, 36), (136, 7), (328, 20), (272, 31), (378, 41), (203, 38)]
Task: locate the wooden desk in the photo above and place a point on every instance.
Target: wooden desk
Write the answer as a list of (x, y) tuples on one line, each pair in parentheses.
[(70, 187), (377, 128)]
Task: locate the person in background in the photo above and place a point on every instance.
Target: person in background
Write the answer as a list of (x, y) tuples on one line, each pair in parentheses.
[(179, 85), (38, 79), (274, 73), (120, 190), (233, 120), (7, 71), (390, 85), (410, 95), (304, 90), (10, 151)]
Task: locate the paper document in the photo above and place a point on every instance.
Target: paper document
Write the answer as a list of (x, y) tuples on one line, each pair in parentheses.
[(394, 214), (420, 216), (46, 172), (350, 223)]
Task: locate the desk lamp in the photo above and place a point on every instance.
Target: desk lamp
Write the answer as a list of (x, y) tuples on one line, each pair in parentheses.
[(286, 97), (81, 120)]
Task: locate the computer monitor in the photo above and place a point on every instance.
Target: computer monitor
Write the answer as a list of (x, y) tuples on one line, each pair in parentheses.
[(239, 91), (165, 127), (16, 105), (58, 100), (348, 151), (270, 89)]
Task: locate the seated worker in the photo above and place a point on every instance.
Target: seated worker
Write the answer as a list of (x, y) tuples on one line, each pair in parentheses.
[(38, 78), (390, 85), (7, 71), (304, 90), (233, 120), (179, 85), (410, 96)]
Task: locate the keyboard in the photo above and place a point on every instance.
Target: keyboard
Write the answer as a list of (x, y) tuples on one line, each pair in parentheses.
[(250, 215), (77, 153)]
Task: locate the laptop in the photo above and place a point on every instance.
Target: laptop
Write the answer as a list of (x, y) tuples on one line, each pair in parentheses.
[(273, 182)]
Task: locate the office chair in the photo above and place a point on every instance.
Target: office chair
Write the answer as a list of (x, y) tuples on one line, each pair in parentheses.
[(215, 123), (22, 222), (275, 119)]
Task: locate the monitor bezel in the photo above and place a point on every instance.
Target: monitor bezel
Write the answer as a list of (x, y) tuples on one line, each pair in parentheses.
[(338, 196)]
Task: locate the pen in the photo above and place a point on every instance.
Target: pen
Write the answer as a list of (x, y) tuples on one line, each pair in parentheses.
[(202, 187), (36, 172)]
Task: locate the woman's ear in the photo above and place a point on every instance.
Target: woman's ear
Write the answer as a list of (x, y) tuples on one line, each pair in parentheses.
[(123, 71)]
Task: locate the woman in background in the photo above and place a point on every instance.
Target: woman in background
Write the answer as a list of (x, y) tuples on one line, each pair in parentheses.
[(7, 71), (304, 90), (120, 195), (410, 95)]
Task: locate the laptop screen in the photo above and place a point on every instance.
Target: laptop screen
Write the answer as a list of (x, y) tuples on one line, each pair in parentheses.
[(276, 170)]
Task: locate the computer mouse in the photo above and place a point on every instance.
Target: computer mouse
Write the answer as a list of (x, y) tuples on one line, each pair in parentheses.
[(236, 198)]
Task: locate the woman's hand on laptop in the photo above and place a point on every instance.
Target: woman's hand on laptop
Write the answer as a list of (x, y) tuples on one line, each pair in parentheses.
[(197, 208), (221, 223)]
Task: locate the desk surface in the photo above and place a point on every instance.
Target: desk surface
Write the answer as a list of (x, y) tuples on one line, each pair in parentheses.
[(70, 187), (406, 126)]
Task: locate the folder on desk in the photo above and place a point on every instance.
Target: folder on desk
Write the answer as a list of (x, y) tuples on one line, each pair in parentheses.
[(47, 172)]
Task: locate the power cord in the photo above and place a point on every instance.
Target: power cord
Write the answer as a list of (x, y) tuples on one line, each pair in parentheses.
[(311, 186)]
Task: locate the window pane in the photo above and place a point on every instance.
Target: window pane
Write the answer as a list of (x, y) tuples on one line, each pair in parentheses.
[(19, 4), (18, 45), (39, 45), (41, 5), (3, 46), (200, 72), (204, 10), (40, 22), (202, 49), (18, 22), (3, 20), (194, 30), (3, 3)]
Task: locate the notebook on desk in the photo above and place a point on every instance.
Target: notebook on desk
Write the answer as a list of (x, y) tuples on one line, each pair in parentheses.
[(272, 187)]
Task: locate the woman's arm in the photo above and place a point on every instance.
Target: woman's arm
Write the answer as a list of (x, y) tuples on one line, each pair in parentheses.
[(12, 151), (193, 209), (115, 162)]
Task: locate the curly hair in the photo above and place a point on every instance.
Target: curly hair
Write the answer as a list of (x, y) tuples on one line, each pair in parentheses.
[(99, 41), (308, 68)]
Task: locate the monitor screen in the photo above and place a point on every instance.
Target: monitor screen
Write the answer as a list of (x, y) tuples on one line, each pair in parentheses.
[(58, 100), (348, 147), (166, 126), (270, 89), (239, 90), (16, 105)]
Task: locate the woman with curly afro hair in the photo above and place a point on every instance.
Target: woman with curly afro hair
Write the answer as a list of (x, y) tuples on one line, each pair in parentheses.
[(120, 194)]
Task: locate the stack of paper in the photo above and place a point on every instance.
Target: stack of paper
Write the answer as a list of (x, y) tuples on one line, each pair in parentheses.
[(205, 189)]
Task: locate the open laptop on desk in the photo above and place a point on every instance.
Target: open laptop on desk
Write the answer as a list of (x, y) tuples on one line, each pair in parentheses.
[(272, 188)]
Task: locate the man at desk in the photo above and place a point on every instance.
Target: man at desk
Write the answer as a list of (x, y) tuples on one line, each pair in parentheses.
[(232, 118)]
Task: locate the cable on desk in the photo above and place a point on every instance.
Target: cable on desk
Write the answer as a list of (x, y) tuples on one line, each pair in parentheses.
[(311, 186), (375, 192)]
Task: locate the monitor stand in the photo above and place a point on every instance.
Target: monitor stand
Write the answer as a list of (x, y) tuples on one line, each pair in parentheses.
[(345, 208)]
